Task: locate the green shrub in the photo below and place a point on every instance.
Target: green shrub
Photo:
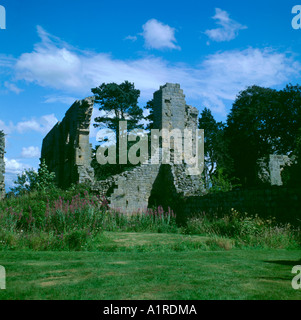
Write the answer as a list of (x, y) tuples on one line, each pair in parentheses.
[(77, 239), (69, 220), (30, 180), (247, 230)]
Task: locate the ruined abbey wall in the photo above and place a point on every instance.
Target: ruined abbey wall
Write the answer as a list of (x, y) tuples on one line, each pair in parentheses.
[(2, 164), (66, 148)]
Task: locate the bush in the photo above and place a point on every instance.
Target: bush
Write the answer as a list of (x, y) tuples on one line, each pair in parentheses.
[(49, 221), (247, 230), (153, 220), (77, 239), (31, 180)]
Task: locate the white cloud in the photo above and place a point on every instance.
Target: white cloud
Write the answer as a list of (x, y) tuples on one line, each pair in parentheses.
[(51, 66), (60, 99), (31, 152), (13, 168), (41, 125), (212, 83), (229, 28), (158, 35), (12, 87), (229, 72), (6, 61), (65, 69), (6, 128)]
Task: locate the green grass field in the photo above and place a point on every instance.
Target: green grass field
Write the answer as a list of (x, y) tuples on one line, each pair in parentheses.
[(151, 266)]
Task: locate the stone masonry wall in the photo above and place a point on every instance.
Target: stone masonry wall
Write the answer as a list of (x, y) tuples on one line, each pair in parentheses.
[(276, 164), (157, 184), (279, 202), (270, 168), (130, 191), (66, 148), (2, 164)]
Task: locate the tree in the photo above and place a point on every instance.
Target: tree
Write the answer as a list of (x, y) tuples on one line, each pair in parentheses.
[(291, 175), (150, 118), (120, 103), (31, 180), (290, 117), (216, 151), (262, 121)]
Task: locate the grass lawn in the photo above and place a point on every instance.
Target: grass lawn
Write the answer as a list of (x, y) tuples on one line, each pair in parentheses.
[(150, 266)]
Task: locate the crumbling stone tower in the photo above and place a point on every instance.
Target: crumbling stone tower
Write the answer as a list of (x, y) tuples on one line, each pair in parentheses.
[(2, 164), (66, 148), (171, 112)]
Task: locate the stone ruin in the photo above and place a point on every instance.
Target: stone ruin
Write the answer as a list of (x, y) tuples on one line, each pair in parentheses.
[(68, 153), (2, 165), (66, 148), (270, 169)]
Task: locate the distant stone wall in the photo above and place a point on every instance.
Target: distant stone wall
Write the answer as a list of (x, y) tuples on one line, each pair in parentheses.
[(276, 165), (282, 203), (270, 168), (2, 164), (66, 148)]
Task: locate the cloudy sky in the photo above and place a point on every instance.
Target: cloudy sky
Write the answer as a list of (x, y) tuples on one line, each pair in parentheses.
[(53, 52)]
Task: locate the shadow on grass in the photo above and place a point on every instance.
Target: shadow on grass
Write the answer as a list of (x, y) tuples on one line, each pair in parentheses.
[(285, 262)]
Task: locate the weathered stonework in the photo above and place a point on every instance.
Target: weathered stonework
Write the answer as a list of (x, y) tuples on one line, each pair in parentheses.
[(276, 165), (2, 165), (67, 152), (66, 148), (270, 171), (155, 183)]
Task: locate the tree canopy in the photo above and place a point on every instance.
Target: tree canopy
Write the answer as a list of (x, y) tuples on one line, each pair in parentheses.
[(31, 180), (120, 102), (217, 159), (262, 121), (213, 139)]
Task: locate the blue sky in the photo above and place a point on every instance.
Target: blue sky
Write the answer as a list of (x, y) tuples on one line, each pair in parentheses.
[(54, 52)]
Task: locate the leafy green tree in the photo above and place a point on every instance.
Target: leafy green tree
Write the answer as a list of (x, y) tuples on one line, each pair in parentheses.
[(26, 181), (291, 175), (262, 121), (150, 107), (216, 149), (220, 182), (120, 103), (31, 180), (291, 119), (46, 179), (289, 116)]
